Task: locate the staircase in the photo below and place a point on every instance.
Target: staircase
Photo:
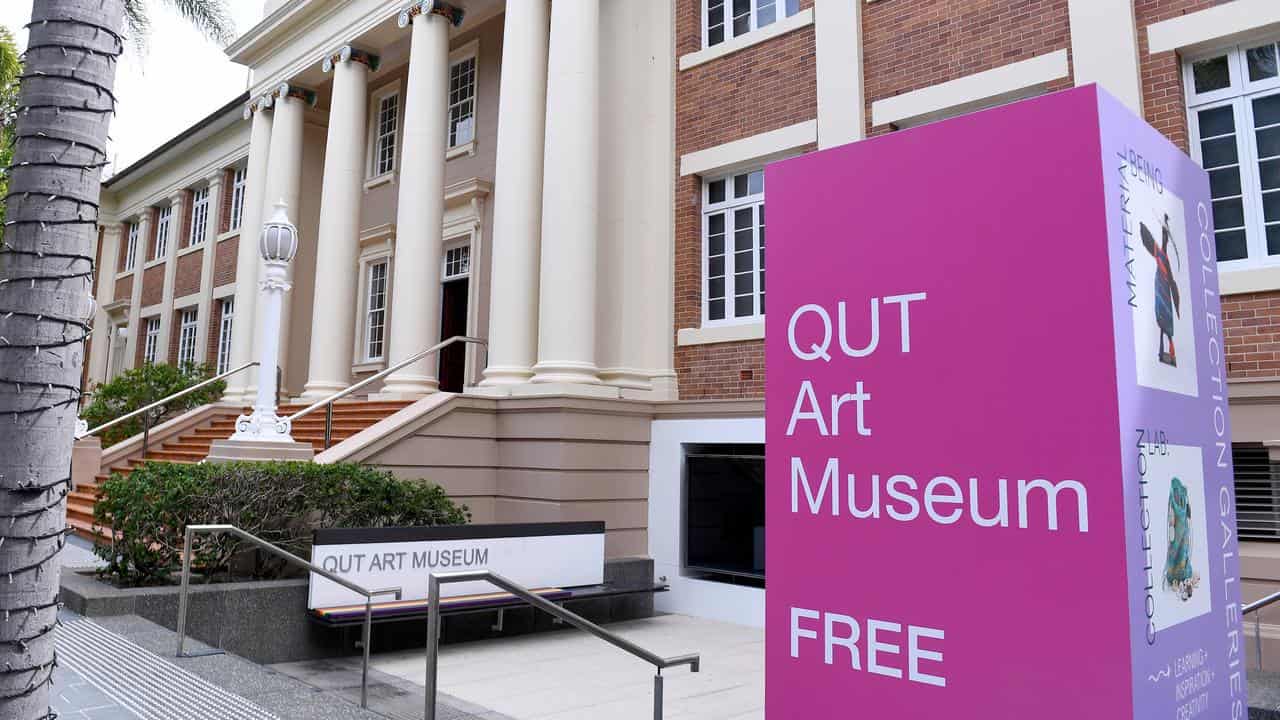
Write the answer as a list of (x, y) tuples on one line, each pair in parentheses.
[(192, 446)]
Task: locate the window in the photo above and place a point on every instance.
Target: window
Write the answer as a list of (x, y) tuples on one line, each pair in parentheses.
[(1233, 100), (224, 335), (162, 232), (733, 248), (131, 246), (462, 102), (727, 19), (187, 336), (384, 139), (237, 197), (376, 311), (152, 341), (199, 217), (457, 262), (724, 522), (1257, 493)]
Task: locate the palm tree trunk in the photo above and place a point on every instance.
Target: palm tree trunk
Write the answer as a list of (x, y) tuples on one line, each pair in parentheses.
[(46, 263)]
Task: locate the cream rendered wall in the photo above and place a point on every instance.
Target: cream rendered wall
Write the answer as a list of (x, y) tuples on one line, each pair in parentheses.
[(634, 317), (180, 168)]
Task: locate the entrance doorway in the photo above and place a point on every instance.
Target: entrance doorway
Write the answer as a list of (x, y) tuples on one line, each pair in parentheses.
[(453, 316)]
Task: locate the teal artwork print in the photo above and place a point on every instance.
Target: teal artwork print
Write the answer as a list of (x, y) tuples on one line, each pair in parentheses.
[(1179, 575)]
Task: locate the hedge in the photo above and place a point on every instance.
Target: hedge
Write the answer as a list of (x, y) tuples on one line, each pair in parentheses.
[(280, 502), (141, 386)]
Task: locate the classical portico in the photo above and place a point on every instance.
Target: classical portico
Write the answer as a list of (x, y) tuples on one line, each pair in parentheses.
[(556, 223)]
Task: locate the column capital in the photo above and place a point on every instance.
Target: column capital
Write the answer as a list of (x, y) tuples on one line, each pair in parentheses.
[(178, 198), (215, 179), (347, 53), (297, 92), (258, 104), (451, 13)]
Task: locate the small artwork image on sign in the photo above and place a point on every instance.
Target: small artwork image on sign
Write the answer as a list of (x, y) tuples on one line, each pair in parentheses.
[(1179, 535), (1163, 327)]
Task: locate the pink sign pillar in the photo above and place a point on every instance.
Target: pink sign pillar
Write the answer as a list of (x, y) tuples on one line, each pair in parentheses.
[(999, 468)]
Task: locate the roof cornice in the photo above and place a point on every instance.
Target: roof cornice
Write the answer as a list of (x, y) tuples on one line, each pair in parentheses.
[(249, 45)]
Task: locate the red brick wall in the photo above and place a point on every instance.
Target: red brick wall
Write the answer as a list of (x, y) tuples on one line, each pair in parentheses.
[(153, 228), (224, 261), (224, 219), (186, 279), (1163, 99), (171, 353), (152, 285), (1251, 324), (215, 319), (124, 287), (765, 87), (912, 44)]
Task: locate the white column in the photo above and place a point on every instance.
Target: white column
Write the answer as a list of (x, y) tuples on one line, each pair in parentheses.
[(838, 47), (1104, 48), (284, 184), (176, 240), (338, 242), (247, 258), (415, 292), (517, 210), (100, 348), (567, 293)]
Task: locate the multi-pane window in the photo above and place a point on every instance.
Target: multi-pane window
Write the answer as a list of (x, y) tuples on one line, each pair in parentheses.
[(733, 285), (187, 330), (227, 317), (165, 219), (384, 139), (727, 19), (131, 246), (457, 262), (151, 342), (237, 197), (376, 312), (1234, 105), (199, 216), (462, 102)]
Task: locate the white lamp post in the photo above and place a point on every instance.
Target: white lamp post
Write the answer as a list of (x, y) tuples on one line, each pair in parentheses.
[(278, 245)]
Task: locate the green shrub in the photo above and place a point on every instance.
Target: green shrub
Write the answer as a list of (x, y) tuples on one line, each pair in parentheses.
[(142, 386), (280, 502)]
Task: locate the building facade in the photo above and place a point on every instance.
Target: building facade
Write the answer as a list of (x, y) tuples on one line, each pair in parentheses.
[(580, 182)]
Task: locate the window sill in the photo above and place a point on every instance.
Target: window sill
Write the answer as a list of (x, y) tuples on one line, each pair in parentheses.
[(366, 368), (124, 274), (739, 332), (190, 249), (1248, 279), (228, 235), (382, 179), (804, 18), (468, 149), (153, 263)]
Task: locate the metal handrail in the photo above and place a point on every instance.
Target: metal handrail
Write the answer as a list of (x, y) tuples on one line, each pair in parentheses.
[(328, 402), (435, 580), (1254, 607), (166, 400), (264, 545)]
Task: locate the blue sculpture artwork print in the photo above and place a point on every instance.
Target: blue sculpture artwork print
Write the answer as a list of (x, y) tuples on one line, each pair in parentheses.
[(1167, 302)]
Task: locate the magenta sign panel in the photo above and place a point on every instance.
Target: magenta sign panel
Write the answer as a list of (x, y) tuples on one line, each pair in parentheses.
[(999, 472)]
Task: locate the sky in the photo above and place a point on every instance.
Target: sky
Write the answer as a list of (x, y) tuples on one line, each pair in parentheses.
[(182, 78)]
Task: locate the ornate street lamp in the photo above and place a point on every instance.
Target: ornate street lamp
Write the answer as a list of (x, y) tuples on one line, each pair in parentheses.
[(278, 245)]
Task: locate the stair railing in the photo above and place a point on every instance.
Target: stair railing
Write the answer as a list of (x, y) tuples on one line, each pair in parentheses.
[(327, 403), (261, 544), (435, 580), (1254, 607), (147, 411)]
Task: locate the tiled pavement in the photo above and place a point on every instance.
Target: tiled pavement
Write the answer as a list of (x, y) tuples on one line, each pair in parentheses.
[(123, 668)]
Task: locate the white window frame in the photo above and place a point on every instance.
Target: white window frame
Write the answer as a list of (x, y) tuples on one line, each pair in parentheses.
[(728, 206), (151, 341), (164, 218), (467, 53), (238, 181), (226, 325), (1239, 95), (199, 217), (368, 310), (376, 137), (188, 332), (781, 8), (131, 246), (462, 248)]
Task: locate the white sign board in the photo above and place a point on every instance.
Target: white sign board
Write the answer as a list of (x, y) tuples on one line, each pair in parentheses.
[(539, 555)]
